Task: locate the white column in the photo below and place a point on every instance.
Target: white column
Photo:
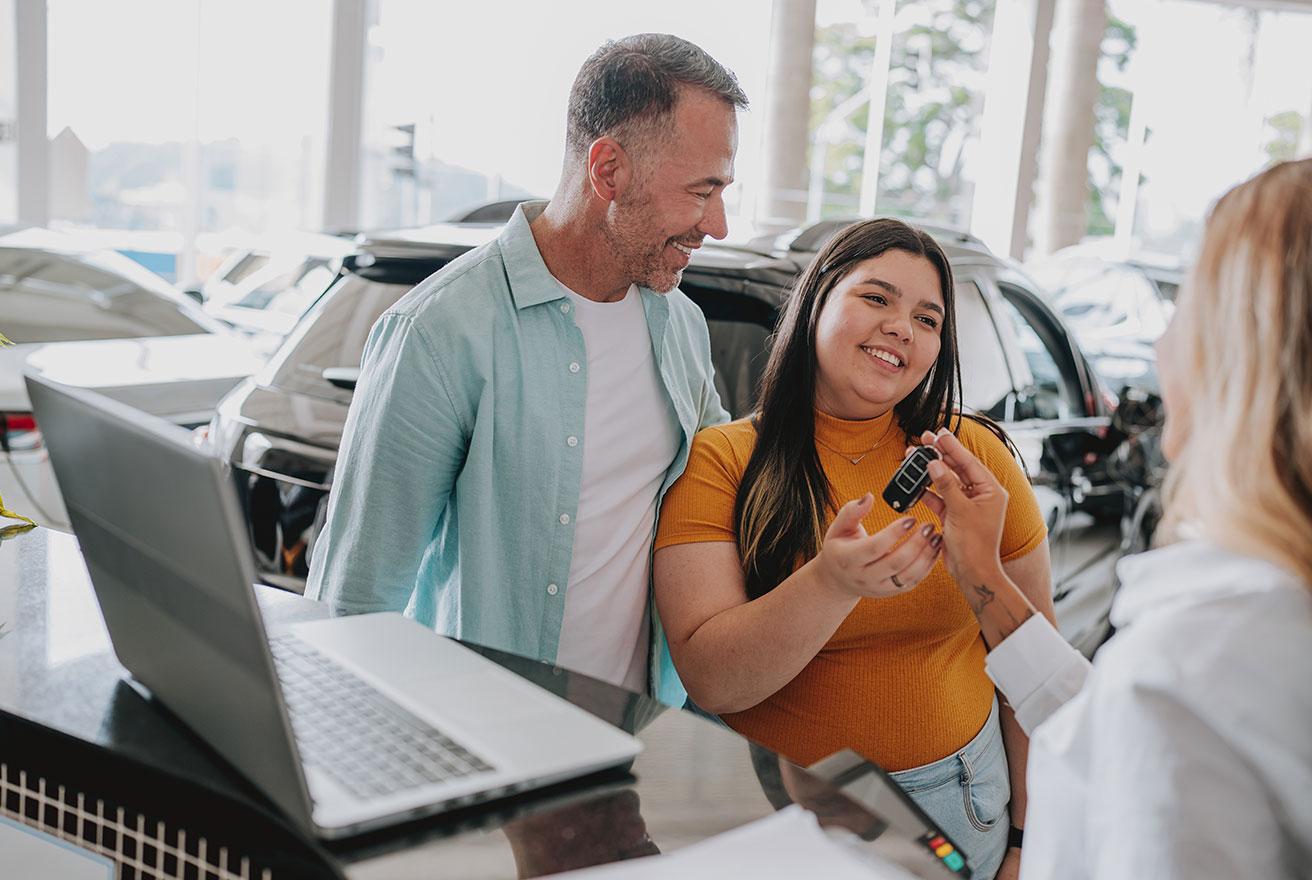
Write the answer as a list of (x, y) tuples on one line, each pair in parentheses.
[(341, 201), (1078, 29), (33, 143), (877, 85), (1011, 124), (787, 114)]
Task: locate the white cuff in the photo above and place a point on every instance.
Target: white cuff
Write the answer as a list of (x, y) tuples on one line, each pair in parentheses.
[(1036, 670)]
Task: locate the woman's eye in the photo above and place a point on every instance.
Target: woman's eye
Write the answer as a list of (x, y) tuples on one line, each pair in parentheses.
[(928, 321), (875, 297)]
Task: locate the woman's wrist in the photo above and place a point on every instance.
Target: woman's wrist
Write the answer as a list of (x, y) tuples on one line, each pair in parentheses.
[(988, 572), (826, 588), (999, 605)]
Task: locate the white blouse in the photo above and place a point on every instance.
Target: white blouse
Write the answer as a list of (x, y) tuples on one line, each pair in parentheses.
[(1185, 749)]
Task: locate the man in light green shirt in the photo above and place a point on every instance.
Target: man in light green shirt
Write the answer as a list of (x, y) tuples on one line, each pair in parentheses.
[(521, 413)]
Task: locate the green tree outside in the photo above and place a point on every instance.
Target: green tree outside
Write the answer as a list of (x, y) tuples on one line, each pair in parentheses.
[(939, 60)]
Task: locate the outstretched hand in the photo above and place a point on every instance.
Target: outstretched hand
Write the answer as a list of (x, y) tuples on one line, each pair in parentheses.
[(887, 563)]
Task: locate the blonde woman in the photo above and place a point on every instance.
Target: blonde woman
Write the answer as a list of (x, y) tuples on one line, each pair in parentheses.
[(1185, 750)]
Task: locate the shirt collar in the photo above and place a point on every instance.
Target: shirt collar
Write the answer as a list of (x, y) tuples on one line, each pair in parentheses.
[(1190, 573), (530, 282)]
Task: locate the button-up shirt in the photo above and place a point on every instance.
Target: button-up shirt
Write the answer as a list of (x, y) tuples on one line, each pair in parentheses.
[(456, 483), (1185, 750)]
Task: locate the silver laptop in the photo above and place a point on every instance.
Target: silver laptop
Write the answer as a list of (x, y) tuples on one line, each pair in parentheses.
[(347, 724)]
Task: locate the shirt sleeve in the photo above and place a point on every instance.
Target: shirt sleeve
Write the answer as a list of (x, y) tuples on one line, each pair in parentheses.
[(1024, 528), (1036, 670), (699, 506), (402, 448), (711, 409)]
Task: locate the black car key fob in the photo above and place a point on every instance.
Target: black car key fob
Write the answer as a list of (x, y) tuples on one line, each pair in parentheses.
[(911, 479)]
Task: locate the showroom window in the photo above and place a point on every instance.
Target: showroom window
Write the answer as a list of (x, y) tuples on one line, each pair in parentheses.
[(933, 101), (453, 122), (183, 145), (1248, 104), (8, 117)]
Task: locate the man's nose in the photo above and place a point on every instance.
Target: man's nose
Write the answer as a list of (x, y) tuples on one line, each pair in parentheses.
[(713, 222)]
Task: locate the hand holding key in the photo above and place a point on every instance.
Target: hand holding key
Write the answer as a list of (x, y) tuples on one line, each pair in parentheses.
[(972, 505)]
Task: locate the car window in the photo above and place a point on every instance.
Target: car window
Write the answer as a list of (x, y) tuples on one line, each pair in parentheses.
[(291, 292), (332, 334), (46, 297), (985, 379), (1046, 392), (245, 267)]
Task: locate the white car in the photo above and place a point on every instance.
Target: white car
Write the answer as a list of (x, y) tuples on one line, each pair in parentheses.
[(262, 291), (1117, 304), (96, 319)]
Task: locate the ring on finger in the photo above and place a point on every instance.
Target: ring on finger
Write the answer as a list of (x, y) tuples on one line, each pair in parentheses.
[(897, 583)]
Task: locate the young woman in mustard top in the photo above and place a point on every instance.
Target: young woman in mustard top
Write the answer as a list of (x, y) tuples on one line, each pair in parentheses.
[(803, 610)]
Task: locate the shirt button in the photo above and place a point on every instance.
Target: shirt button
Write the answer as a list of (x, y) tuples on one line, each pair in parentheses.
[(564, 519), (552, 589), (564, 308), (572, 441), (574, 367)]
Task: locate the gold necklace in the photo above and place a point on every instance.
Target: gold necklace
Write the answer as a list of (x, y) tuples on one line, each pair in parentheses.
[(848, 455)]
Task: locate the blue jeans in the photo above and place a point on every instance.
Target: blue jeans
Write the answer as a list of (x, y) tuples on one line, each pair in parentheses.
[(967, 794)]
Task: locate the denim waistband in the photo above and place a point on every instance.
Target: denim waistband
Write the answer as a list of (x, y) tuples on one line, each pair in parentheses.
[(949, 768)]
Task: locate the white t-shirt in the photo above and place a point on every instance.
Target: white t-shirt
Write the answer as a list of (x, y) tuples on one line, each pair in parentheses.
[(630, 438)]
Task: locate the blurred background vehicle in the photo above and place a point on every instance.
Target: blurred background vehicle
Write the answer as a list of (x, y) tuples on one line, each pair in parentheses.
[(281, 428), (261, 291), (1117, 305), (97, 319)]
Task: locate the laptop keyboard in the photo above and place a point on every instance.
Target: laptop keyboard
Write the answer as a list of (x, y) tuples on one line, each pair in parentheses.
[(356, 735)]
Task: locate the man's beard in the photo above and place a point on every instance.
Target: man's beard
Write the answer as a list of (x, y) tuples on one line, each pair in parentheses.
[(642, 260)]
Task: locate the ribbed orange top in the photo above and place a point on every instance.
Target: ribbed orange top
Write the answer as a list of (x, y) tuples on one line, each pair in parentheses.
[(902, 680)]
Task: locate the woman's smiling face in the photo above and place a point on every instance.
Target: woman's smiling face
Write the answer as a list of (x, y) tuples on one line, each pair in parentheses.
[(878, 335)]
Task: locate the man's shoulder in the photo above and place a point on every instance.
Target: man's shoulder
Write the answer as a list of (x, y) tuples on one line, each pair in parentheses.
[(464, 294), (683, 306)]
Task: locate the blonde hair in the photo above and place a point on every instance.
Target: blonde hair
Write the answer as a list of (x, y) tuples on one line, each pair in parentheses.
[(1244, 475)]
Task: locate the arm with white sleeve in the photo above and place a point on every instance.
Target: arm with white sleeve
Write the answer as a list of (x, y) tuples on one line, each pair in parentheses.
[(1031, 664)]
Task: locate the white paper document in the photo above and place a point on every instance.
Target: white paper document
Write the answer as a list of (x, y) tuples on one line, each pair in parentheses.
[(788, 844)]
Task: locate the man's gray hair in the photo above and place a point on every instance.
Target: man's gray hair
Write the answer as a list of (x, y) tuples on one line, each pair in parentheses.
[(630, 83)]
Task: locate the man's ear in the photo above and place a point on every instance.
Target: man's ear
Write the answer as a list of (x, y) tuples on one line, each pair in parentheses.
[(610, 171)]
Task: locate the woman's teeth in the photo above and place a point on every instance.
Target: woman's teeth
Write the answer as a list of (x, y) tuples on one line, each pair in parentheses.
[(883, 356)]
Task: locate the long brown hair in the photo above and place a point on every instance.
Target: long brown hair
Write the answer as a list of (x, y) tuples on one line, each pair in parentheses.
[(1244, 473), (784, 494)]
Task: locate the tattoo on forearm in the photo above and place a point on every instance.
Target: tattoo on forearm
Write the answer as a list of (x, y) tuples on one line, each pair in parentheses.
[(984, 596)]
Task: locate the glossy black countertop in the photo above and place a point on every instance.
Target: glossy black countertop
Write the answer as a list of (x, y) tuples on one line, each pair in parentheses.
[(62, 687)]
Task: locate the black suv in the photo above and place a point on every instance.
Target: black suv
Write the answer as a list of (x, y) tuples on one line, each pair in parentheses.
[(281, 428)]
